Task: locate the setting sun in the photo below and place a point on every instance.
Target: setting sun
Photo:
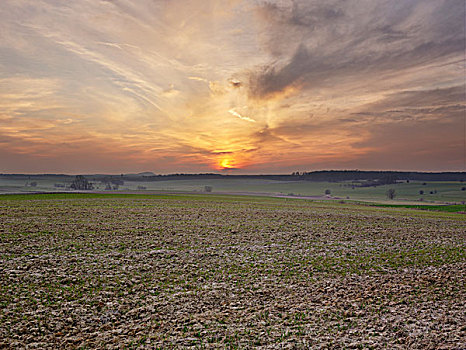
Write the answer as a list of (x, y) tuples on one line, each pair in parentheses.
[(226, 164)]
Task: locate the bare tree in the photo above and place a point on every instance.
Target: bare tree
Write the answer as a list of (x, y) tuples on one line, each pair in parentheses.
[(391, 193), (81, 183)]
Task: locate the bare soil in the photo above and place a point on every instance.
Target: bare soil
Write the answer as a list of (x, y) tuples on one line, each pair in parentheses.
[(223, 272)]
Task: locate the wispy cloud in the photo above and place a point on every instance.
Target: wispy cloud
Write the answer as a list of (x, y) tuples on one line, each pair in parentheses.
[(274, 85), (236, 114), (198, 79)]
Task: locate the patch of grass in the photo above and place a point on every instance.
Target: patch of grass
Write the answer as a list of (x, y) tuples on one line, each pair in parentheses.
[(454, 208), (135, 196)]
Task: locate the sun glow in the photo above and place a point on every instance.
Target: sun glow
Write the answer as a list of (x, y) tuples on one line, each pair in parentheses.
[(226, 163)]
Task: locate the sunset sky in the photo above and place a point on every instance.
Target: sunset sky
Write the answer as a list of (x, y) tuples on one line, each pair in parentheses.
[(231, 86)]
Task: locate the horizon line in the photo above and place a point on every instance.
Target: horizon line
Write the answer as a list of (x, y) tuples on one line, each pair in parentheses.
[(300, 173)]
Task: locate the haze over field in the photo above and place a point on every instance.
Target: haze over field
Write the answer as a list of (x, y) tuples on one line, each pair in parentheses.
[(251, 86)]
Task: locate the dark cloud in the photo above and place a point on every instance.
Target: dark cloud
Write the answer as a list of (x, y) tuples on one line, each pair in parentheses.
[(272, 79), (311, 17), (334, 41), (388, 34), (286, 27), (267, 136), (220, 153), (301, 14), (438, 103), (235, 83)]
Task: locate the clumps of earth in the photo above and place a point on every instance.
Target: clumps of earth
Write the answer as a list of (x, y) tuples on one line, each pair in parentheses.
[(226, 272)]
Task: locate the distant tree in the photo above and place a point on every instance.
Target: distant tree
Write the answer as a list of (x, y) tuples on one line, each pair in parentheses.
[(388, 179), (424, 183), (207, 188), (327, 191), (391, 193), (81, 183), (421, 192), (463, 188)]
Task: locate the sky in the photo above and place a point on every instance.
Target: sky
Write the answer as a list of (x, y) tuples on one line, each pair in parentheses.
[(231, 86)]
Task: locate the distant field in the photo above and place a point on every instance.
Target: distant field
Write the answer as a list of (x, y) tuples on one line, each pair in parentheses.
[(213, 271), (442, 192)]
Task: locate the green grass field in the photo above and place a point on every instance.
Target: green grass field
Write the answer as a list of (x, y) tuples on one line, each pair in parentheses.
[(442, 192), (217, 271)]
